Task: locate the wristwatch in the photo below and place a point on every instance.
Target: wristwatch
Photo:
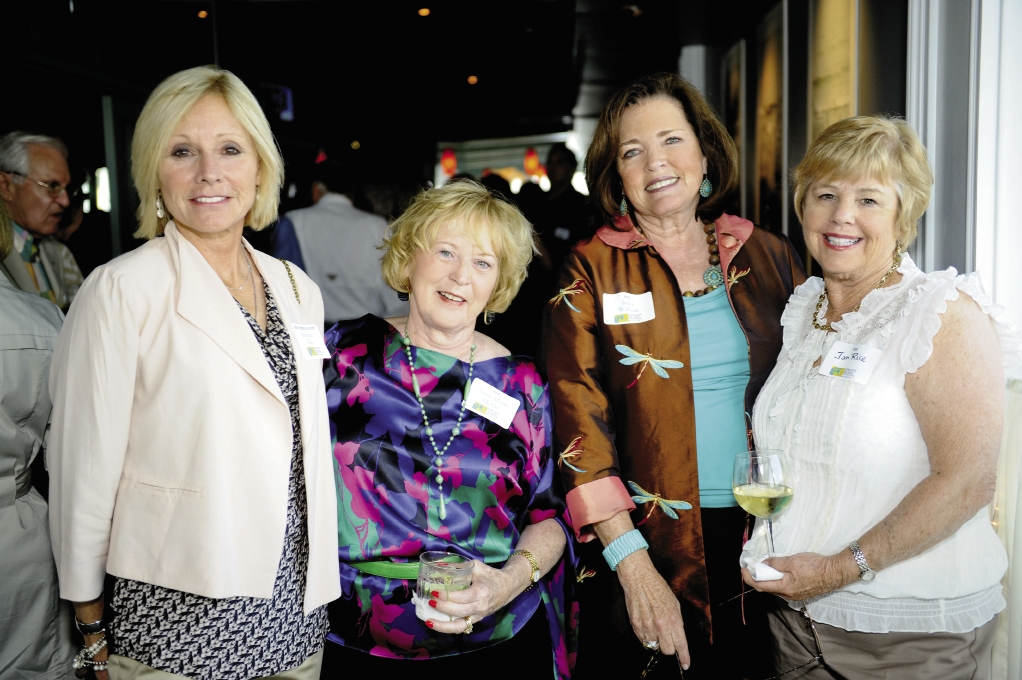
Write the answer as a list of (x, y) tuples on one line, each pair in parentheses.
[(536, 573), (865, 573)]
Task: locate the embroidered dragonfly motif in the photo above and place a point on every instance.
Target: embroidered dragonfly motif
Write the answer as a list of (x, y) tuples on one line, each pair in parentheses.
[(733, 275), (642, 497), (633, 357), (573, 450), (562, 295), (584, 573)]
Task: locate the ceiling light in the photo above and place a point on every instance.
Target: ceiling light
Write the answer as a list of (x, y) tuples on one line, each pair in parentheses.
[(203, 14), (424, 12), (472, 80), (355, 144)]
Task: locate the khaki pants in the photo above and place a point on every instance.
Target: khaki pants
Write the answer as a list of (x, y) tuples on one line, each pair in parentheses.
[(123, 668), (852, 655)]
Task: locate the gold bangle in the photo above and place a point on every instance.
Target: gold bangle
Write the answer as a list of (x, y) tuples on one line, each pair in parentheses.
[(536, 573)]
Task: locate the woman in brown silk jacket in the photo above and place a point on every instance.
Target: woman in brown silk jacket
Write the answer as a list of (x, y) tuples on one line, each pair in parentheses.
[(665, 328)]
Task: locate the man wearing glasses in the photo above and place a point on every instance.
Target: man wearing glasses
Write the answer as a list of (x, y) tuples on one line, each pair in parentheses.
[(34, 181)]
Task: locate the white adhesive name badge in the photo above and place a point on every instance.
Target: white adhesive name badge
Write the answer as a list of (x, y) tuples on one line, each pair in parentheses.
[(622, 308), (310, 341), (850, 362), (491, 403)]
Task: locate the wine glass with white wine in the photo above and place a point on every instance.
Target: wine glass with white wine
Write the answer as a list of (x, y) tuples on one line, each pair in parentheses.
[(763, 485)]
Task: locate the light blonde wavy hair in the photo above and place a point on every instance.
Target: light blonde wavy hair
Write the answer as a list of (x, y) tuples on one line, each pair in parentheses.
[(885, 149), (471, 208), (167, 105)]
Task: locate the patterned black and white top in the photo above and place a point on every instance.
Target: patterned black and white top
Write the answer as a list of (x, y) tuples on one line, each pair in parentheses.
[(235, 638)]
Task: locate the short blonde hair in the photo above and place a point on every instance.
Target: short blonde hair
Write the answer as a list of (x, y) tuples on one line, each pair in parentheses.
[(877, 147), (471, 208), (167, 105)]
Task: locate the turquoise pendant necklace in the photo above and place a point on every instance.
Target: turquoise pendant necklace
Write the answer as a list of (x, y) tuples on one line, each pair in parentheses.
[(439, 461)]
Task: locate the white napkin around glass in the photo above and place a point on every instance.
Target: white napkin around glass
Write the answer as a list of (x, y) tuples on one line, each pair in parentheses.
[(759, 570), (424, 612)]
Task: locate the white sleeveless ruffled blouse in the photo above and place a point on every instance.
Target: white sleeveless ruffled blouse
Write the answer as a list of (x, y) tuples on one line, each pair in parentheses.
[(858, 451)]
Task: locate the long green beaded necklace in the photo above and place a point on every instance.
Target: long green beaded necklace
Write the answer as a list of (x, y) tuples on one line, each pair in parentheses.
[(439, 462)]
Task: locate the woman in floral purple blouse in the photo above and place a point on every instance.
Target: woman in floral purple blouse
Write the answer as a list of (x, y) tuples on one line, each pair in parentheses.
[(419, 468)]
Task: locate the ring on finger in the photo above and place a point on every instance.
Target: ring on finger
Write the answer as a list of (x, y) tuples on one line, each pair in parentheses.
[(468, 626), (651, 645)]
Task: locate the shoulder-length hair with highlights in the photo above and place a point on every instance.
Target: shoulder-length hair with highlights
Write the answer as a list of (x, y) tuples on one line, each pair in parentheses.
[(471, 208), (877, 147), (167, 105), (714, 141)]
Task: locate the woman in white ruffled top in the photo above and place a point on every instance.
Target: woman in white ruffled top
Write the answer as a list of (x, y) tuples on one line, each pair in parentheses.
[(888, 401)]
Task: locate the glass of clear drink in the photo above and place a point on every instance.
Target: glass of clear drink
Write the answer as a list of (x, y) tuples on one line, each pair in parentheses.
[(441, 573), (763, 485)]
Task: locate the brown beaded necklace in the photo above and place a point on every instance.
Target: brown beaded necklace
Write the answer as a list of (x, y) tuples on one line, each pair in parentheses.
[(713, 277)]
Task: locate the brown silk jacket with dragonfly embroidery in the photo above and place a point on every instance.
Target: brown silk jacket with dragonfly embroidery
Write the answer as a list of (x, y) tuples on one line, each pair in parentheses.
[(617, 422)]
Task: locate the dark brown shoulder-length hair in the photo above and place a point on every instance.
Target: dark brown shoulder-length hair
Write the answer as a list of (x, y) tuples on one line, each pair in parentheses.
[(714, 140)]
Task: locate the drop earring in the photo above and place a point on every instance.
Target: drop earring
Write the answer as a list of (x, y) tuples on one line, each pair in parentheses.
[(623, 208), (402, 296), (488, 317), (159, 207), (705, 188)]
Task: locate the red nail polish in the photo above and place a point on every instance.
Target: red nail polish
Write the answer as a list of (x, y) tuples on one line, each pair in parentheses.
[(429, 624), (435, 593), (432, 603)]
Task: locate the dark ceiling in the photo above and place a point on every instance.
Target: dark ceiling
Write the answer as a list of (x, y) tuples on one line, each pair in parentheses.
[(377, 71)]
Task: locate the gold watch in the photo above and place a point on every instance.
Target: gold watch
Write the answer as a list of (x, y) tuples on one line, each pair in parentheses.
[(536, 573)]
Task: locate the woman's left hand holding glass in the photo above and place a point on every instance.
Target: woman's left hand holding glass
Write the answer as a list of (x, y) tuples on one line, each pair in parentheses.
[(491, 590), (807, 575)]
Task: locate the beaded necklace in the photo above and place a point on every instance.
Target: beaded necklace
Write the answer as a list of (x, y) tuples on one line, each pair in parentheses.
[(713, 277), (439, 462), (823, 296)]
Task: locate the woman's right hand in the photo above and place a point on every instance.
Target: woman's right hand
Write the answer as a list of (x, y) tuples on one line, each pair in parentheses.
[(653, 609), (101, 655)]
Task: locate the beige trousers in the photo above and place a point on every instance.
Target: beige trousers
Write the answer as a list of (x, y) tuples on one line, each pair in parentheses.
[(123, 668), (852, 655)]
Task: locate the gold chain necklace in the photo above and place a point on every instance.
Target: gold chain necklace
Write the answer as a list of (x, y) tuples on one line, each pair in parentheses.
[(823, 296)]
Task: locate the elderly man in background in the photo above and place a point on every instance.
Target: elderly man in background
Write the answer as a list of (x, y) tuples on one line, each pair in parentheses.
[(34, 180), (337, 246), (35, 627)]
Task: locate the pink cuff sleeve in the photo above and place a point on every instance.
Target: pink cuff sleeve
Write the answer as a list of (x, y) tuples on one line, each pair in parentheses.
[(594, 502)]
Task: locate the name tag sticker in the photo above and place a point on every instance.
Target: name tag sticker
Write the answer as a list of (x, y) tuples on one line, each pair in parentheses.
[(850, 362), (309, 341), (622, 308), (491, 403)]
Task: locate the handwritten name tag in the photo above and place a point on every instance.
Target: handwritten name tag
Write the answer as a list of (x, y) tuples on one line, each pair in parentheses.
[(850, 362), (309, 341), (491, 403), (622, 308)]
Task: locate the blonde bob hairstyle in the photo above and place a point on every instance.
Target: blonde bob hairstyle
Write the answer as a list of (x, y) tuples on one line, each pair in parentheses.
[(168, 104), (471, 208), (874, 147)]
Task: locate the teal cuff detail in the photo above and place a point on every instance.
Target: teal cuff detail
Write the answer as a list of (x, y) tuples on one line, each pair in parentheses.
[(623, 546)]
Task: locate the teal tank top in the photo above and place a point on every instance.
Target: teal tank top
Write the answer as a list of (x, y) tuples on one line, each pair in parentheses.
[(720, 374)]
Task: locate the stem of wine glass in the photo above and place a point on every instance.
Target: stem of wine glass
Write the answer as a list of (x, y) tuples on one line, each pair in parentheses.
[(770, 535)]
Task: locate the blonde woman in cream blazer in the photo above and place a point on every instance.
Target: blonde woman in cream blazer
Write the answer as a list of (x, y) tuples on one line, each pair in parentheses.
[(190, 452)]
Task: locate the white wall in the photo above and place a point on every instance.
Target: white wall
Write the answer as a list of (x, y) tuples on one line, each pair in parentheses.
[(998, 233)]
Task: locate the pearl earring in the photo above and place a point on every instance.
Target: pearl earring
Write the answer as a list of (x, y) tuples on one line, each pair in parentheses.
[(159, 207)]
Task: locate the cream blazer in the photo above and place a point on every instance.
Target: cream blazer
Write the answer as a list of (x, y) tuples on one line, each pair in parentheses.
[(170, 447)]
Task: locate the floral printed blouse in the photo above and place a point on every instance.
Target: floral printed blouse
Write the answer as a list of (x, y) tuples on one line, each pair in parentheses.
[(496, 482)]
